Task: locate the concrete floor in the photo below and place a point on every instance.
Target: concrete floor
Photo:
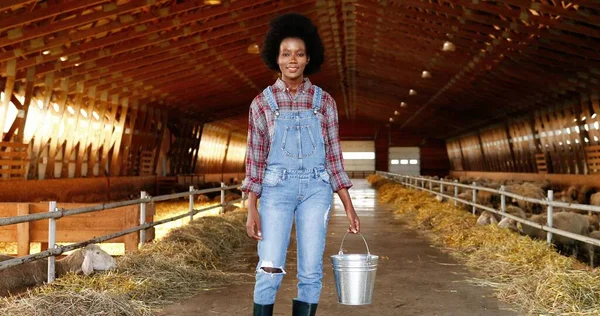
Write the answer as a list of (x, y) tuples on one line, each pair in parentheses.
[(413, 278)]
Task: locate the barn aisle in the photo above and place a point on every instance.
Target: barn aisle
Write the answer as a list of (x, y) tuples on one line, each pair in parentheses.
[(413, 277)]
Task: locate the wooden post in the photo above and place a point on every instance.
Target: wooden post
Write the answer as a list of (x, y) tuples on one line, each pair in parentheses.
[(23, 236), (143, 195), (550, 216), (8, 90), (51, 242), (191, 203)]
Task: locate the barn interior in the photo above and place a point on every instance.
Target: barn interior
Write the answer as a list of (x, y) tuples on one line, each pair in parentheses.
[(148, 91)]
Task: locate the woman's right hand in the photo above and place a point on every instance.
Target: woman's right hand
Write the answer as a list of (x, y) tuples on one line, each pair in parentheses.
[(253, 223)]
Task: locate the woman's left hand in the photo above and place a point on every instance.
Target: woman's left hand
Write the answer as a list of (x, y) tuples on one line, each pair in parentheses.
[(354, 221)]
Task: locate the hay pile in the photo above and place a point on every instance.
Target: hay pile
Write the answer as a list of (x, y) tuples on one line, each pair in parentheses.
[(526, 273), (176, 267)]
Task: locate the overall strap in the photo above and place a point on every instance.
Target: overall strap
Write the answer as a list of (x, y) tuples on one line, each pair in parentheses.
[(316, 102), (271, 100)]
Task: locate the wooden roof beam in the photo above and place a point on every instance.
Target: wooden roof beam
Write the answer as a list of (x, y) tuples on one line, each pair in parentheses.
[(46, 40), (46, 13), (9, 4)]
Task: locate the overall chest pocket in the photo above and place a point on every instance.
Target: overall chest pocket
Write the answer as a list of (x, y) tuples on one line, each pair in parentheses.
[(298, 141)]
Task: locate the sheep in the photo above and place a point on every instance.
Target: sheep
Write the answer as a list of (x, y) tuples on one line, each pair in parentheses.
[(202, 199), (531, 191), (487, 198), (585, 194), (570, 222), (595, 199), (592, 250), (487, 217), (88, 259)]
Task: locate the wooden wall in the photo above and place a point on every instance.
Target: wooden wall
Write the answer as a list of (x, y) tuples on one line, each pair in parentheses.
[(559, 139), (221, 150)]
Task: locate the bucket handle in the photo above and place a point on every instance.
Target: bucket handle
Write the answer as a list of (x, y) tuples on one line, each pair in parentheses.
[(341, 252)]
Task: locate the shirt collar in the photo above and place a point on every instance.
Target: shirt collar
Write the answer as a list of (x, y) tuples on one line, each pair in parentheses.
[(304, 87)]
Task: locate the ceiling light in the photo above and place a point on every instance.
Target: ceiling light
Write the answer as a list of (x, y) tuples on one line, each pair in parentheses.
[(212, 2), (95, 115), (412, 92), (403, 104), (64, 58), (46, 52), (253, 49), (391, 119), (426, 74), (83, 112), (70, 109), (396, 113), (448, 47), (593, 116), (77, 64)]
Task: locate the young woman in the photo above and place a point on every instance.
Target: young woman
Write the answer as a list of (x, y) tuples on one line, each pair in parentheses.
[(294, 164)]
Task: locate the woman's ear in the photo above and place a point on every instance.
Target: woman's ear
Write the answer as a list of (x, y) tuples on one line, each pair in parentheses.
[(88, 266)]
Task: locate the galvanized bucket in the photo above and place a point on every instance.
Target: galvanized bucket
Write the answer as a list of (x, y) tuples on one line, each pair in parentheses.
[(354, 276)]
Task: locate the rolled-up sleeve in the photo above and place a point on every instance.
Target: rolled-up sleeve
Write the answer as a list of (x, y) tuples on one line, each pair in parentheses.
[(334, 158), (256, 150)]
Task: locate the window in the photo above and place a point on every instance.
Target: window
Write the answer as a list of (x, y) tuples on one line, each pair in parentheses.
[(395, 161), (404, 161), (358, 155), (413, 161)]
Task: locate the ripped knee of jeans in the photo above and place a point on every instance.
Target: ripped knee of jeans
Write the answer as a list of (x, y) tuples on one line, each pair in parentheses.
[(272, 270), (267, 267)]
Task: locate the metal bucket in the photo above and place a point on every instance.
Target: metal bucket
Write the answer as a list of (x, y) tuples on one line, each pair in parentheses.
[(354, 276)]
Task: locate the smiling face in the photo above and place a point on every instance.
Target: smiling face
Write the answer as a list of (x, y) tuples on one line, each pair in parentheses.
[(292, 59)]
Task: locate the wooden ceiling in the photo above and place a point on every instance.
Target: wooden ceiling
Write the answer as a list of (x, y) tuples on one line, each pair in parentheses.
[(511, 56)]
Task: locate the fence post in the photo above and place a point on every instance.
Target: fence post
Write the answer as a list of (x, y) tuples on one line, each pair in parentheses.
[(191, 203), (550, 215), (441, 187), (51, 242), (502, 200), (143, 195), (222, 197), (430, 186), (474, 198), (455, 193)]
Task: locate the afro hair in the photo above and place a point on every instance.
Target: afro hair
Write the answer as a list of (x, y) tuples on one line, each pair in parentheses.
[(298, 26)]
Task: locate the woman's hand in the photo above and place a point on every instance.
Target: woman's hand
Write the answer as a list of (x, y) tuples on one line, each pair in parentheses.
[(354, 221), (253, 221)]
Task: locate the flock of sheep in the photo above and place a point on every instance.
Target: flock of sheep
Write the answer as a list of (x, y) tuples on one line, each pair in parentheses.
[(570, 220)]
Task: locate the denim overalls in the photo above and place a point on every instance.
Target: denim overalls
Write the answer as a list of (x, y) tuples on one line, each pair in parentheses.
[(295, 187)]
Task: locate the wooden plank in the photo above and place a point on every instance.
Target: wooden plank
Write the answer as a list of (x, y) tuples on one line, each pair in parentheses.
[(8, 92), (117, 138), (13, 154), (30, 84), (127, 161), (56, 141), (23, 237), (8, 235), (83, 145)]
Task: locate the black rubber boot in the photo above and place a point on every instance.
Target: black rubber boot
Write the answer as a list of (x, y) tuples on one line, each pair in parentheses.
[(263, 310), (304, 309)]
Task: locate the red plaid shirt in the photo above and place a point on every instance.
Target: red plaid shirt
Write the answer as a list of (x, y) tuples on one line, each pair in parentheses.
[(261, 123)]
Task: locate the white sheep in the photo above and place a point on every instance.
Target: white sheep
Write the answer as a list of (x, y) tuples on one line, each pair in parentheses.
[(487, 217), (87, 260)]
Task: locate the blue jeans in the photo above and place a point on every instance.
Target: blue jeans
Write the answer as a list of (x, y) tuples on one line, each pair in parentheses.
[(304, 196)]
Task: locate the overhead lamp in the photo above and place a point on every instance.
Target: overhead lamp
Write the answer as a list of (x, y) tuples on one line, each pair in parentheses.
[(448, 46), (64, 58), (391, 119), (412, 92), (212, 2), (253, 49), (83, 113), (426, 74), (77, 64), (70, 109), (46, 52), (396, 113), (95, 115), (403, 104)]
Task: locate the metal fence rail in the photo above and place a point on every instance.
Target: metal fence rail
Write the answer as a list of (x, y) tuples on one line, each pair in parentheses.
[(419, 183), (57, 213)]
